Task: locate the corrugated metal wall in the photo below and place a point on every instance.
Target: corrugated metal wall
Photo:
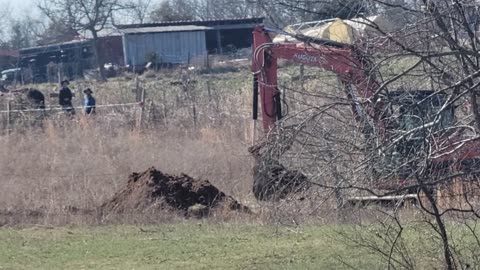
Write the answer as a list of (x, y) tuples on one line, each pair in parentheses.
[(170, 47)]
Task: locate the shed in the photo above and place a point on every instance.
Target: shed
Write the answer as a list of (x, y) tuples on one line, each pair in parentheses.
[(71, 57), (164, 44), (221, 35), (8, 58), (110, 44)]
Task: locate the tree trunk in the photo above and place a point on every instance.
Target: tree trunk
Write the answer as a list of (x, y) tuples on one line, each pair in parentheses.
[(441, 229), (98, 57)]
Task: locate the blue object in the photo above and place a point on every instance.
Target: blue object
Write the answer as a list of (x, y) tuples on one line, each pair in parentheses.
[(89, 104)]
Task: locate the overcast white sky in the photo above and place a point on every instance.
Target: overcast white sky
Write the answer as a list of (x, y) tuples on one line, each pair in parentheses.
[(20, 7), (28, 7)]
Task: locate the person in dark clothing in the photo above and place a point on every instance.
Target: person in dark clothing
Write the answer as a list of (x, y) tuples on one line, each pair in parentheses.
[(89, 102), (65, 98), (35, 98)]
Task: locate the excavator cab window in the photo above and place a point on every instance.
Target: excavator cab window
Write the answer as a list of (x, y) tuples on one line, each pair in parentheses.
[(416, 115), (417, 109)]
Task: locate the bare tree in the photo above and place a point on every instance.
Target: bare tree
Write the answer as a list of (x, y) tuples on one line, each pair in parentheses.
[(174, 11), (25, 32), (206, 10), (137, 11), (56, 33), (83, 15), (225, 9), (5, 19)]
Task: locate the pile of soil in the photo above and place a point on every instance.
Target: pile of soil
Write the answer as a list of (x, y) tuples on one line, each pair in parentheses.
[(153, 191), (272, 180)]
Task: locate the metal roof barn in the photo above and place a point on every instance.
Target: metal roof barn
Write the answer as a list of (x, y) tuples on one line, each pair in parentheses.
[(223, 36), (168, 44)]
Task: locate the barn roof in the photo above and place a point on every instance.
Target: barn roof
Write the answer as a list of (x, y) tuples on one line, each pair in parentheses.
[(54, 47), (105, 32), (158, 29), (9, 52), (247, 22)]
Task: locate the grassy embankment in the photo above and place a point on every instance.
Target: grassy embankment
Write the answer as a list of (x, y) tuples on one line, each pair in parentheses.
[(180, 246), (207, 245)]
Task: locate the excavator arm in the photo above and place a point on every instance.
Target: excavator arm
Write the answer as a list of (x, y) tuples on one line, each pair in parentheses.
[(336, 57), (352, 71), (363, 94)]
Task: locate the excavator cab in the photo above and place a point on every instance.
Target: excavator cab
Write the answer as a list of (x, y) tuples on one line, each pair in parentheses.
[(420, 108), (416, 116)]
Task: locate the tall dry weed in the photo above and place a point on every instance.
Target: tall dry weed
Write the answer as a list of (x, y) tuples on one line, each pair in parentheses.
[(67, 164), (80, 164)]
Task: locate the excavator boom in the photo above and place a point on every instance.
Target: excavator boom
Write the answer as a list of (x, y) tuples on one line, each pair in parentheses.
[(336, 57)]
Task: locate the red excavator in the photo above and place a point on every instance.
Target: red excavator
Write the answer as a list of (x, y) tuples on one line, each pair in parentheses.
[(367, 103)]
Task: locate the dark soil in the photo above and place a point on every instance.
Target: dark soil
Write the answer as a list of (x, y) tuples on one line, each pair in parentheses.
[(153, 191), (276, 182), (272, 180)]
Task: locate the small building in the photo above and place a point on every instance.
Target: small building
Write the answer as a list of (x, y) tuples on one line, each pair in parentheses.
[(110, 44), (8, 58), (111, 49), (164, 44), (42, 63), (220, 35), (70, 59), (178, 42)]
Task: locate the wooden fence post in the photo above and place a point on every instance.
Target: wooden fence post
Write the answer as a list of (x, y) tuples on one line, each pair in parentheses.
[(59, 72), (9, 116), (164, 107), (142, 111), (194, 110), (140, 98), (302, 77), (209, 91)]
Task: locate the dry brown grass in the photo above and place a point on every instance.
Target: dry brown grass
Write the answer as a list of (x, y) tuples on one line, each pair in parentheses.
[(51, 175), (80, 164), (68, 165)]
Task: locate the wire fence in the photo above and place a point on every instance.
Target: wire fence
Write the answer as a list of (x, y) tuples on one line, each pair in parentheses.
[(59, 108), (152, 114)]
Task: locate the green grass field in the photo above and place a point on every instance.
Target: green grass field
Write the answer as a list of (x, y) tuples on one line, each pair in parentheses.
[(184, 246)]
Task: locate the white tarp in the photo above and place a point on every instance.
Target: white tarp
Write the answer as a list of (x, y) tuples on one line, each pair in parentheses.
[(360, 28)]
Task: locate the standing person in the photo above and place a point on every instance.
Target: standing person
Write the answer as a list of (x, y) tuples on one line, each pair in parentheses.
[(89, 103), (65, 97)]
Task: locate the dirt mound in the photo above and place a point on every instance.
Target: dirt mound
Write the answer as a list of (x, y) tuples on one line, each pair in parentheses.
[(153, 191), (277, 183)]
